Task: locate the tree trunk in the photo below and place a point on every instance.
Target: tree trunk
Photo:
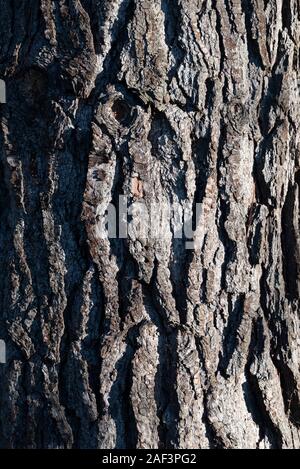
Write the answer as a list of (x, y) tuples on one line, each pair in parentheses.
[(139, 342)]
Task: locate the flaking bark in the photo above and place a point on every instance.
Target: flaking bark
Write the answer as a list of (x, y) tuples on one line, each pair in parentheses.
[(125, 343)]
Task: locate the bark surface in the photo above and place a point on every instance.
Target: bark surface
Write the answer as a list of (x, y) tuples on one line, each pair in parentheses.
[(125, 343)]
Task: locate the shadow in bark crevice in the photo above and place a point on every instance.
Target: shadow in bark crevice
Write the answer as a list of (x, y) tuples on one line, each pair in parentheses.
[(120, 405), (254, 399), (289, 244), (166, 398), (230, 334)]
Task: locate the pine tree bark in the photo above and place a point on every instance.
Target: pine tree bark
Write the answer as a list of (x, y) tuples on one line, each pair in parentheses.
[(131, 344)]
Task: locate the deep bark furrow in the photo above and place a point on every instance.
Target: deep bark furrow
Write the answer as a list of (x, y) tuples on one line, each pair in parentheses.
[(140, 342)]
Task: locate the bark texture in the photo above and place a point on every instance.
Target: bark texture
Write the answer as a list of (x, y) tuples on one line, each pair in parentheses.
[(125, 343)]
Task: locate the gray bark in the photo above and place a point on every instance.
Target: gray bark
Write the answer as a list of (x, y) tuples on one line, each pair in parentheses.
[(132, 344)]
